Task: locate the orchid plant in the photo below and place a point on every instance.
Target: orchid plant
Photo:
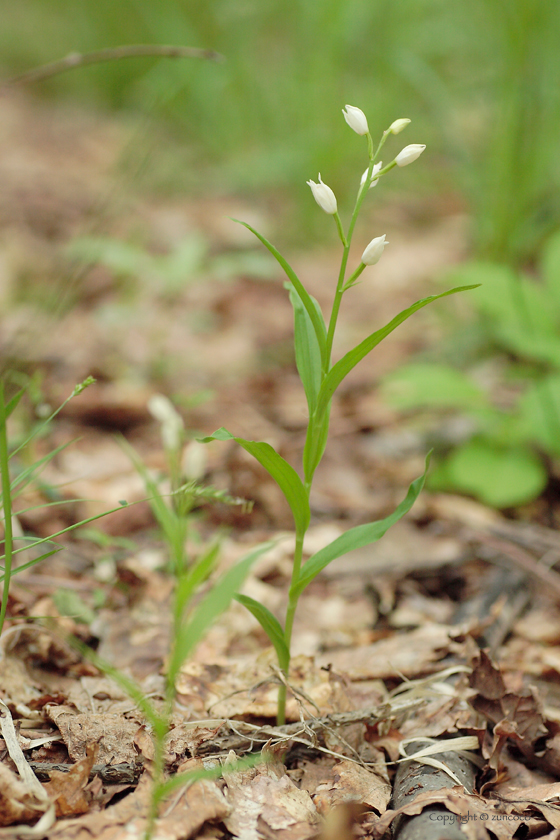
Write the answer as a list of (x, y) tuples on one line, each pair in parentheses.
[(313, 340)]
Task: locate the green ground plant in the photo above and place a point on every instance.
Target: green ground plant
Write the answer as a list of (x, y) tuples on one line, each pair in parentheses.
[(313, 340), (26, 472), (503, 461), (193, 610)]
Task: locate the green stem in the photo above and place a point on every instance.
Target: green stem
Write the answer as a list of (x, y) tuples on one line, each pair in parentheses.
[(157, 782), (353, 277), (7, 509), (289, 625)]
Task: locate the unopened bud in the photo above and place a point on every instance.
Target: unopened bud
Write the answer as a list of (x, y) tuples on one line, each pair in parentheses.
[(397, 126), (372, 253), (172, 426), (356, 119), (374, 172), (324, 196), (409, 154)]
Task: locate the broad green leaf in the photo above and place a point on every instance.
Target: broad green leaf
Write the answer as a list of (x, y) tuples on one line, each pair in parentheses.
[(343, 367), (433, 385), (357, 537), (283, 474), (315, 316), (540, 409), (500, 477), (540, 346), (271, 627), (211, 607), (308, 351)]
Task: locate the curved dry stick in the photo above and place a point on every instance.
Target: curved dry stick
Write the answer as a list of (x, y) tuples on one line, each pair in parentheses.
[(75, 59)]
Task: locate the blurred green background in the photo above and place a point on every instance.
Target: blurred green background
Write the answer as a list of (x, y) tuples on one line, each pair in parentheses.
[(481, 82)]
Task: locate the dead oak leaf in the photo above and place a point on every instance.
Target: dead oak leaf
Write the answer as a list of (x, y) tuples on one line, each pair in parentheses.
[(67, 789), (265, 802), (349, 782)]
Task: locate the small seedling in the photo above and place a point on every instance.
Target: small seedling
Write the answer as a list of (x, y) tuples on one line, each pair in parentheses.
[(313, 340)]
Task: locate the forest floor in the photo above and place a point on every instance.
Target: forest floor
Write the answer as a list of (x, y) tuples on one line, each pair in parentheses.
[(387, 641)]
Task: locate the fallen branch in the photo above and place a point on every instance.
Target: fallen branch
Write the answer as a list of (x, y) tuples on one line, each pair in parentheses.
[(75, 59)]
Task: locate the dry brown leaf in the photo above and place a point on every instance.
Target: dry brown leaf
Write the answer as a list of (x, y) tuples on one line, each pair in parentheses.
[(66, 789), (113, 733), (410, 654), (18, 804), (248, 686), (349, 782), (265, 802)]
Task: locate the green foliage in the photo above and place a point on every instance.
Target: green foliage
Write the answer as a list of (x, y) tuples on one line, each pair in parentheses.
[(518, 314), (14, 487)]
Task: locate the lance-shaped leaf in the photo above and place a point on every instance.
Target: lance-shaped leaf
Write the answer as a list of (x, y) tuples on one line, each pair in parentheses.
[(283, 474), (315, 316), (308, 351), (357, 537), (343, 367), (271, 627), (211, 607)]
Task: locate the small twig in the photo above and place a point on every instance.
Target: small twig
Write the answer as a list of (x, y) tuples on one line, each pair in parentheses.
[(111, 774), (75, 59), (524, 560)]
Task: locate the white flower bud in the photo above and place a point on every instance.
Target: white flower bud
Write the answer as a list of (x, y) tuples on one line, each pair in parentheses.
[(324, 196), (372, 253), (194, 461), (356, 119), (397, 126), (374, 172), (409, 154), (172, 426)]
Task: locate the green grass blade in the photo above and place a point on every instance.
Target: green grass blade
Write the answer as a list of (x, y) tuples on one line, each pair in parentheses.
[(308, 351), (181, 779), (315, 316), (210, 608), (6, 508), (12, 404), (271, 627), (343, 367), (357, 537), (27, 475), (134, 691), (33, 562), (188, 583), (283, 474), (69, 528)]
